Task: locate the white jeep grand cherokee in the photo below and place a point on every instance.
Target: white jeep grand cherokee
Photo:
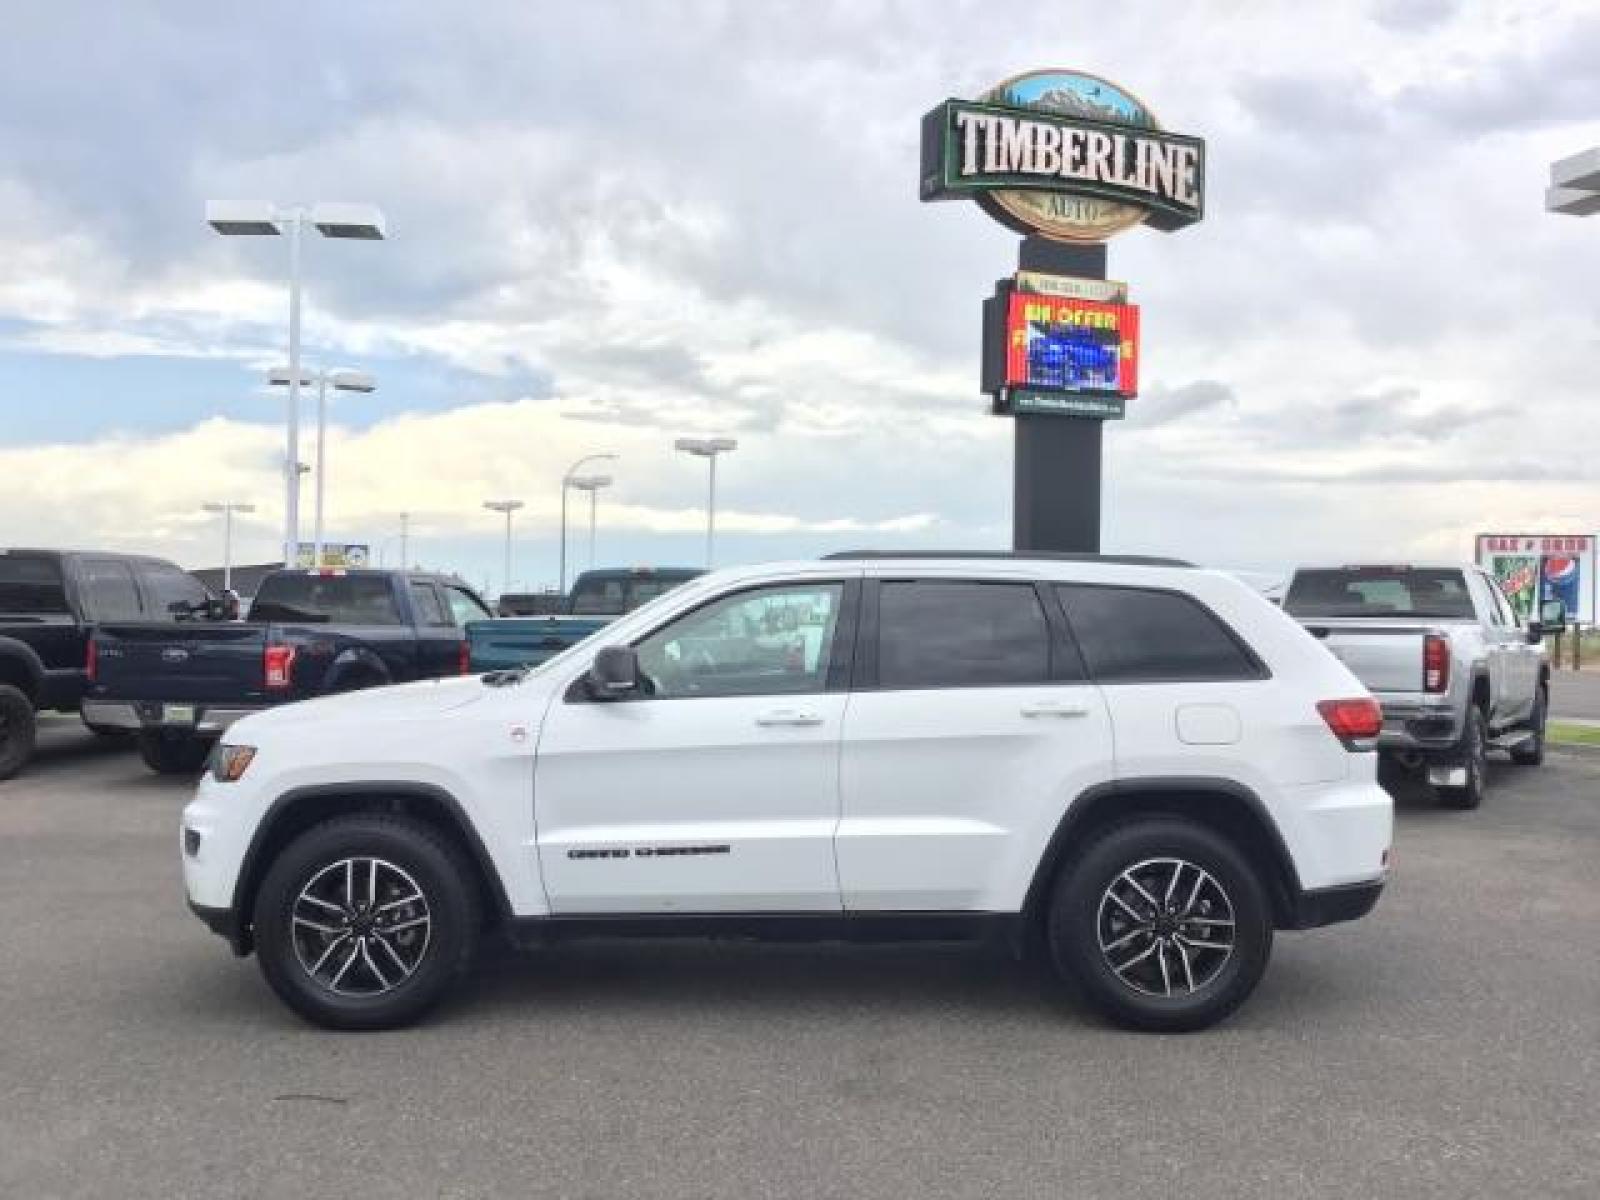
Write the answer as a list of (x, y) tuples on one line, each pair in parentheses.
[(1141, 767)]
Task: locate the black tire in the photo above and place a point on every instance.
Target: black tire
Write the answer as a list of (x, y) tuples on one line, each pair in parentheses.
[(19, 730), (1474, 751), (1531, 752), (1083, 915), (173, 754), (411, 854)]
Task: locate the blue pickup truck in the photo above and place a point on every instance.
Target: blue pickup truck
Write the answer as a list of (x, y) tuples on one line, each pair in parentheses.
[(309, 633), (597, 598)]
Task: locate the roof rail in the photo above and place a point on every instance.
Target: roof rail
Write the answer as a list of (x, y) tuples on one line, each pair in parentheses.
[(1125, 560)]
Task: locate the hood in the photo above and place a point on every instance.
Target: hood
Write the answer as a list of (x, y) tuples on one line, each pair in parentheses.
[(405, 701)]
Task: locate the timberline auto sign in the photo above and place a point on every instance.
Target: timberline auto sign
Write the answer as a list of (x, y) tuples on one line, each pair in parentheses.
[(1065, 155)]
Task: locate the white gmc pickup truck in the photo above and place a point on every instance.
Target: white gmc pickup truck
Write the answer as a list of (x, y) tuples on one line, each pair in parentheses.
[(1456, 670), (1142, 768)]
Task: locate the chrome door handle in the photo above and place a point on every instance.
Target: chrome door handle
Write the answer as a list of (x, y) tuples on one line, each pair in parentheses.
[(1054, 709), (789, 716)]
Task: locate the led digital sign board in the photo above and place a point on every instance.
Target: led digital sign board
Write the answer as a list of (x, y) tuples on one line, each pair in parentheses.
[(1046, 352)]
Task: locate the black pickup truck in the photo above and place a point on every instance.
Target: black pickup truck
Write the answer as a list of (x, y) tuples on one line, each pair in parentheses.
[(49, 602), (308, 633)]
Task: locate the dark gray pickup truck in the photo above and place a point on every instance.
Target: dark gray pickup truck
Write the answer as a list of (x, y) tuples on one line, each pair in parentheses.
[(50, 600), (308, 633)]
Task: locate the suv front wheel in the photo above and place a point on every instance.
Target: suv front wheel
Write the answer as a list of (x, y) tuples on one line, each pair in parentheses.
[(365, 921), (1162, 924)]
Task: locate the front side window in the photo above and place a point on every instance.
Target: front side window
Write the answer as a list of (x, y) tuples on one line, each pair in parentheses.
[(958, 634), (768, 641), (464, 606), (1131, 635), (168, 586), (426, 601), (109, 591)]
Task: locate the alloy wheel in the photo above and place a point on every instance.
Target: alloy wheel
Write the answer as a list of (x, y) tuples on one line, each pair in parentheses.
[(1166, 927), (360, 927)]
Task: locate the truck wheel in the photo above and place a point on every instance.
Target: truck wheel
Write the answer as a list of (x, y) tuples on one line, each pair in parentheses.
[(1162, 924), (18, 730), (1474, 749), (365, 921), (168, 755), (1531, 752)]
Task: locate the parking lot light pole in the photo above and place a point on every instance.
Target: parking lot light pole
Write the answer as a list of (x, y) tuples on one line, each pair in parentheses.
[(507, 507), (1574, 189), (566, 482), (591, 484), (362, 222), (227, 508), (342, 381), (708, 449), (405, 538)]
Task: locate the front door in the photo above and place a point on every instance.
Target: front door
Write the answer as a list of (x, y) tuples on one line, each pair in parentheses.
[(717, 788)]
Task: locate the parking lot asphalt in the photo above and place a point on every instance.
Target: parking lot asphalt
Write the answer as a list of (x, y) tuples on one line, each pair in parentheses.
[(1575, 694), (1447, 1046)]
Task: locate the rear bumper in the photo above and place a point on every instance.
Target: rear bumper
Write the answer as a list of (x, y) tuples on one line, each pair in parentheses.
[(1329, 906), (1412, 725), (208, 719)]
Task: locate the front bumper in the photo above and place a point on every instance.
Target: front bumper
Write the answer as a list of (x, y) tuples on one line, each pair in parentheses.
[(166, 717)]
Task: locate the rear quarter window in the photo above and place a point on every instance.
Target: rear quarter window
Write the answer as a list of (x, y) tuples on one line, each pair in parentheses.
[(1131, 635)]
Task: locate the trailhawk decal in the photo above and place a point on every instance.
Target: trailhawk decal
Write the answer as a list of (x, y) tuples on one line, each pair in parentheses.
[(649, 852)]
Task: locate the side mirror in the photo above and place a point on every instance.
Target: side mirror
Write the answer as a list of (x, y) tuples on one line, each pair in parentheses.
[(1552, 612), (614, 673)]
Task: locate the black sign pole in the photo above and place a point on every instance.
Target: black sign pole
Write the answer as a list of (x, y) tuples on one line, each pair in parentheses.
[(1056, 472)]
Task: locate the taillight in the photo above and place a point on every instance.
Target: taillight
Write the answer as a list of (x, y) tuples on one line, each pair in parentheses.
[(464, 659), (91, 661), (278, 662), (1355, 722), (1435, 662)]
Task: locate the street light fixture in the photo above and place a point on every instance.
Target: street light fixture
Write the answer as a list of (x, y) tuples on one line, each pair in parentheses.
[(709, 448), (342, 381), (227, 508), (566, 482), (231, 218), (1574, 189), (508, 507), (590, 484)]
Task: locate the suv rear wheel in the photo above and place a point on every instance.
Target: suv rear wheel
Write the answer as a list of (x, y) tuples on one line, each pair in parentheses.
[(365, 921), (1162, 924)]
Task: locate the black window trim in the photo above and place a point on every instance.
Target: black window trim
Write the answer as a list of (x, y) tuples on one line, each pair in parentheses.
[(1261, 670), (841, 653), (1060, 644)]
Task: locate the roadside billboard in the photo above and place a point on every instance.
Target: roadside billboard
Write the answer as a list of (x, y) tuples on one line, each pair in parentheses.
[(1533, 567), (335, 554)]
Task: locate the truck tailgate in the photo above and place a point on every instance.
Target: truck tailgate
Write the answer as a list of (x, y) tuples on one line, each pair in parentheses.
[(512, 642), (1386, 658), (200, 662)]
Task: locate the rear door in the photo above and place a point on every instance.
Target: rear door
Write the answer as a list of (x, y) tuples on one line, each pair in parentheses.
[(970, 730)]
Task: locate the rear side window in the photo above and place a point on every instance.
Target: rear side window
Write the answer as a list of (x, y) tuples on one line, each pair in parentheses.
[(958, 634), (108, 590), (425, 598), (1133, 634), (339, 599), (31, 585), (167, 585)]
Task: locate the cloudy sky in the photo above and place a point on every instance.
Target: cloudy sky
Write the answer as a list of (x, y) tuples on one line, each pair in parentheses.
[(616, 222)]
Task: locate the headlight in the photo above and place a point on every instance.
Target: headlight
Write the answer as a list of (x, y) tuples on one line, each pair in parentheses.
[(230, 762)]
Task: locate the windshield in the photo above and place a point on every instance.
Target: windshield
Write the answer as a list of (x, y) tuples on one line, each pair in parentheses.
[(1379, 592)]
